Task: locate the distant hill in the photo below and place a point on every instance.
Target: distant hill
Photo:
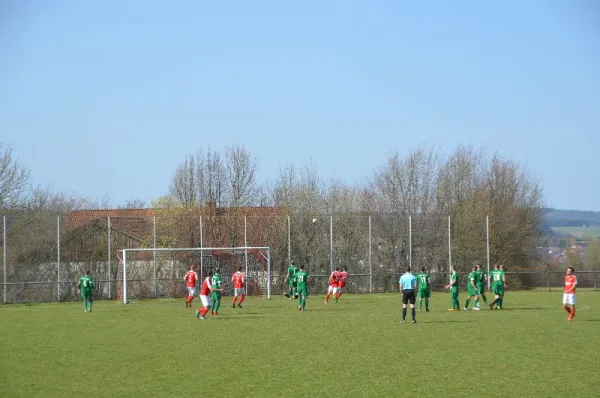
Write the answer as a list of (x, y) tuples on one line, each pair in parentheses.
[(572, 222)]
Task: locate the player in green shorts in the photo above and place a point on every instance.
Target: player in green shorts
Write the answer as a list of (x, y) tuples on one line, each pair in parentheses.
[(86, 287), (492, 278), (453, 286), (301, 278), (499, 283), (424, 292), (472, 289), (215, 293), (291, 280), (481, 282)]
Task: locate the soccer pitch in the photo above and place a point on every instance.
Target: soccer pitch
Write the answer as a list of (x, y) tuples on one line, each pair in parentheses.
[(357, 347)]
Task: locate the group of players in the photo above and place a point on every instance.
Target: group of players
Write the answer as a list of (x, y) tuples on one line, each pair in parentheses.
[(211, 290), (297, 280)]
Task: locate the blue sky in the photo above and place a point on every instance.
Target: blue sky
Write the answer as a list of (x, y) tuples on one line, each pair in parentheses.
[(105, 98)]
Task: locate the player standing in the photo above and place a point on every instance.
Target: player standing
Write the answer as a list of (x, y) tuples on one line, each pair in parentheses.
[(302, 287), (424, 282), (453, 286), (493, 278), (499, 280), (86, 288), (569, 292), (190, 278), (215, 293), (205, 293), (342, 283), (408, 285), (291, 280), (239, 287), (482, 279), (334, 280), (472, 289)]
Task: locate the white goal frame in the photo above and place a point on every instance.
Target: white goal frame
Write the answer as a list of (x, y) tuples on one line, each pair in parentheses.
[(196, 249)]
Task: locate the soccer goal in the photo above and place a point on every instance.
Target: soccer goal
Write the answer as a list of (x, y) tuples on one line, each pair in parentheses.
[(158, 273)]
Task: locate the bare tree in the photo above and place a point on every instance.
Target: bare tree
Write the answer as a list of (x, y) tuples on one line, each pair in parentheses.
[(184, 187), (14, 179), (241, 172)]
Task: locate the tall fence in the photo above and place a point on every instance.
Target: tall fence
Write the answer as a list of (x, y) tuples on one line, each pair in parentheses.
[(44, 254)]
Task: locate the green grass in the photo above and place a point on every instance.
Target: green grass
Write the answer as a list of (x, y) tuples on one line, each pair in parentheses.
[(579, 232), (355, 348)]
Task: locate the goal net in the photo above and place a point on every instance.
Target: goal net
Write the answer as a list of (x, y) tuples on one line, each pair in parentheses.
[(159, 273)]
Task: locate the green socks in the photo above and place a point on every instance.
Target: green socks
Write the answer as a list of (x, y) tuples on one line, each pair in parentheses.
[(426, 305)]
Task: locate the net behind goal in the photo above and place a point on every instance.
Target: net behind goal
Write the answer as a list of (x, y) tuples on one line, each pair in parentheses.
[(158, 273)]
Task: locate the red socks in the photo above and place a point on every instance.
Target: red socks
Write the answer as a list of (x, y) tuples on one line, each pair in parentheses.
[(190, 299), (234, 300), (327, 297), (242, 299), (567, 309)]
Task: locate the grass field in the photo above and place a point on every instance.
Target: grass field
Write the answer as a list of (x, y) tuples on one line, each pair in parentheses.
[(355, 348), (579, 232)]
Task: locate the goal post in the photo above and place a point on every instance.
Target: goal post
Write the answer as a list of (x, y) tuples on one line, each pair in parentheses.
[(159, 272)]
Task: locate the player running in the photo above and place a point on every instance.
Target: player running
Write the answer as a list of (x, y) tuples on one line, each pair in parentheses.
[(453, 286), (291, 280), (334, 280), (342, 283), (569, 293), (205, 293), (499, 282), (482, 279), (239, 287), (302, 287), (424, 292), (86, 288), (472, 289), (215, 293), (191, 279)]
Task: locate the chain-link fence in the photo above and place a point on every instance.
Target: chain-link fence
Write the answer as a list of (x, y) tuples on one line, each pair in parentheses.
[(44, 254)]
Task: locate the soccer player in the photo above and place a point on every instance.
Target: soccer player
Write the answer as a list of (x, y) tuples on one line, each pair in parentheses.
[(334, 280), (499, 281), (472, 289), (492, 277), (291, 280), (205, 293), (86, 288), (408, 285), (239, 287), (424, 282), (482, 279), (342, 283), (453, 286), (569, 293), (190, 278), (215, 292), (302, 287)]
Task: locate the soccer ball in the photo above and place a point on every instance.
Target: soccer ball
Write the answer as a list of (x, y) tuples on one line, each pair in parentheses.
[(314, 220)]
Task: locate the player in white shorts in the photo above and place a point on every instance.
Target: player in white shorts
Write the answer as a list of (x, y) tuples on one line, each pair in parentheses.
[(205, 291), (569, 293), (239, 287)]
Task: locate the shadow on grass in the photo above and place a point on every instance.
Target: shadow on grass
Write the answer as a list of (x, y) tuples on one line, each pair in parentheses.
[(446, 321), (587, 320), (526, 309)]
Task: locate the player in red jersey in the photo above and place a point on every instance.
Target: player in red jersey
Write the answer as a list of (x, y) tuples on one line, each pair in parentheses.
[(190, 278), (205, 291), (342, 283), (334, 280), (239, 287), (569, 292)]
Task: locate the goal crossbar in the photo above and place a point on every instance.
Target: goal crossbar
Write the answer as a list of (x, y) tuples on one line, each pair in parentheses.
[(194, 249)]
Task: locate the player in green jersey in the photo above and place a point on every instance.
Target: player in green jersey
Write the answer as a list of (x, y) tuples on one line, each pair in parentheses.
[(481, 282), (86, 287), (301, 278), (291, 280), (499, 281), (472, 289), (424, 292), (492, 273), (453, 286), (215, 293)]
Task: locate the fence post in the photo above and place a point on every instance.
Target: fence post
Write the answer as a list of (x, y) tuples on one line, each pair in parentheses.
[(331, 243), (109, 273), (58, 256), (289, 240), (245, 243), (4, 253), (153, 254), (370, 258), (201, 252), (410, 242), (548, 279)]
